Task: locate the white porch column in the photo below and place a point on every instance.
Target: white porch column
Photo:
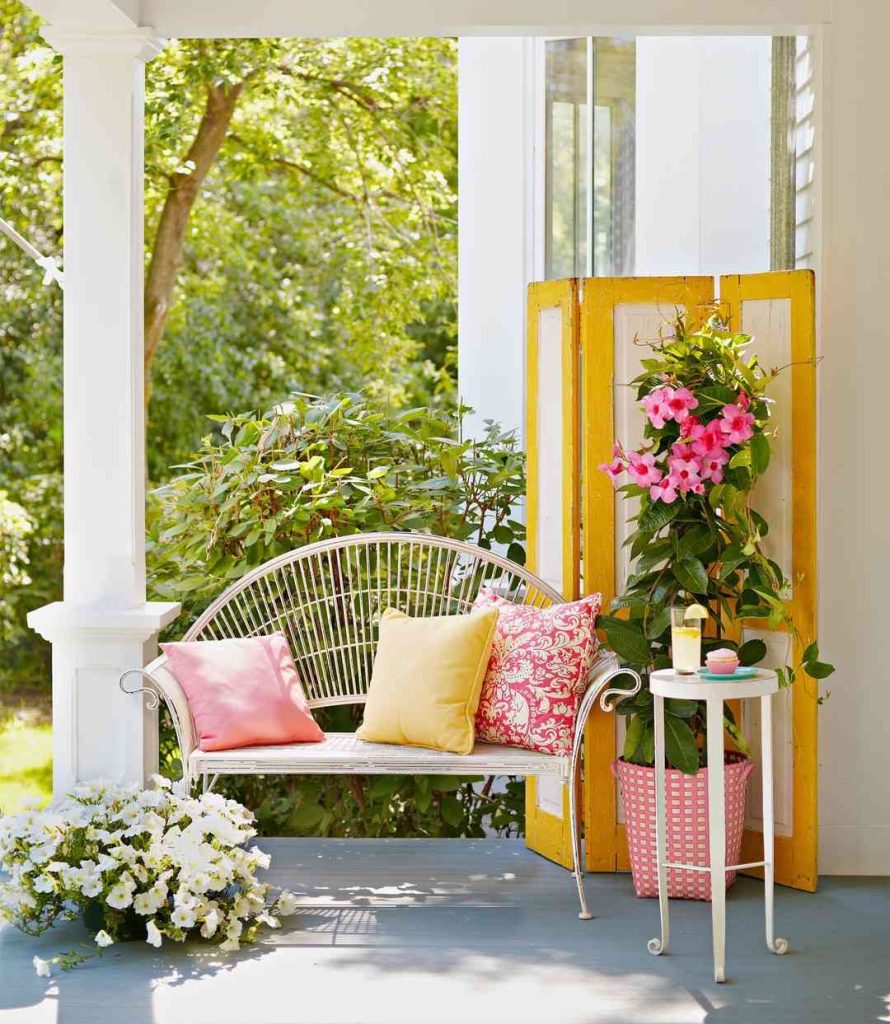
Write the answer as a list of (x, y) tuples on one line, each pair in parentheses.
[(104, 625)]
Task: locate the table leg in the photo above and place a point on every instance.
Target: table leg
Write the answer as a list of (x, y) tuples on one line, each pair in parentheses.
[(773, 944), (717, 834), (659, 946)]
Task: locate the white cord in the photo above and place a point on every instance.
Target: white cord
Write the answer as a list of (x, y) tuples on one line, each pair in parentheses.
[(47, 264)]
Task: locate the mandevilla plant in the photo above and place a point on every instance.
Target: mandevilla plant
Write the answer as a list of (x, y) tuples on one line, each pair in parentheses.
[(697, 538)]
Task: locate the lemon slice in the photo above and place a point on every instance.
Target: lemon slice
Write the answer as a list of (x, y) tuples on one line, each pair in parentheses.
[(696, 611)]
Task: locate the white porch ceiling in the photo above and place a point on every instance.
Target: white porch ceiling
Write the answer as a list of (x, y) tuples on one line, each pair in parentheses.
[(233, 18)]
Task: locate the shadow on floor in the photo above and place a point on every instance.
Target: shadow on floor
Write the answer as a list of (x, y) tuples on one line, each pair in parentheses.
[(410, 931)]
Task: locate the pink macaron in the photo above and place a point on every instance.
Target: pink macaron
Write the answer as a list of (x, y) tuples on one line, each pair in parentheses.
[(722, 662)]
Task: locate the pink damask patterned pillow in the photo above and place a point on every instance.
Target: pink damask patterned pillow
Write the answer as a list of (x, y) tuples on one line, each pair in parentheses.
[(537, 673)]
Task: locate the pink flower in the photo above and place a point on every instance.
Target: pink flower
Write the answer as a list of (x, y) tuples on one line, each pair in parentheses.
[(679, 403), (664, 491), (706, 439), (712, 464), (688, 425), (685, 475), (614, 468), (683, 452), (643, 469), (743, 401), (736, 425), (656, 406)]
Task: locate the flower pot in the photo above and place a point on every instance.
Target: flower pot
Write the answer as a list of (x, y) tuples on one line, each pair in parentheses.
[(687, 824)]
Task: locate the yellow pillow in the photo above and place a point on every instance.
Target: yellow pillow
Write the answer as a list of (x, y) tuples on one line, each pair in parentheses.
[(427, 678)]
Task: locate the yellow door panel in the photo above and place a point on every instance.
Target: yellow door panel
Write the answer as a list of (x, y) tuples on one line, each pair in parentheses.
[(778, 309), (553, 502), (612, 310)]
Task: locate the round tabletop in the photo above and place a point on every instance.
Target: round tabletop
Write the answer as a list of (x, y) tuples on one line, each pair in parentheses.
[(668, 683)]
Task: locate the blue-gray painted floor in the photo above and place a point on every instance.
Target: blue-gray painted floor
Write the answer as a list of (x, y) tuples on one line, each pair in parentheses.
[(465, 932)]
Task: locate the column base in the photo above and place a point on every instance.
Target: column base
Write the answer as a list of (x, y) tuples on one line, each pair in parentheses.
[(98, 731)]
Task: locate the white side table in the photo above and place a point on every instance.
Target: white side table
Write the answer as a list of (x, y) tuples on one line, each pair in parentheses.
[(667, 683)]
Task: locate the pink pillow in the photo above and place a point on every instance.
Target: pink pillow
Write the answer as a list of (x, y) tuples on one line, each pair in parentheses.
[(243, 693), (537, 673)]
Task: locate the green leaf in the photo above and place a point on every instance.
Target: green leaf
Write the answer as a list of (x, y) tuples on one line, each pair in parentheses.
[(811, 653), (690, 573), (452, 811), (679, 745), (696, 539), (737, 735), (658, 623), (657, 516), (635, 740), (680, 707), (752, 652), (625, 639), (306, 818), (818, 669), (760, 453)]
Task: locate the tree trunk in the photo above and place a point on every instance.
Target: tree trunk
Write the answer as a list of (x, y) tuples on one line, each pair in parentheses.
[(184, 188)]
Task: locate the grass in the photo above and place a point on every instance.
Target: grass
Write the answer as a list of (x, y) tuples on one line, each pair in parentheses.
[(26, 766)]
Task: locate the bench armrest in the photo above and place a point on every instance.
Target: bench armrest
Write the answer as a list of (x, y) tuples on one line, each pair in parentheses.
[(606, 667), (158, 683)]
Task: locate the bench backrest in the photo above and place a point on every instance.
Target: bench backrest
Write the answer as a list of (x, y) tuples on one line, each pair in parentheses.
[(327, 599)]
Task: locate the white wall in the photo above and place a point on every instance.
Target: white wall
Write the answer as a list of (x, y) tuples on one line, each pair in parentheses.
[(703, 155), (854, 498), (495, 226)]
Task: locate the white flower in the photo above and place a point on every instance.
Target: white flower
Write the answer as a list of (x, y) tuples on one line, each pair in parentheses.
[(287, 904), (120, 896), (230, 946), (103, 939), (90, 879), (42, 967), (41, 854), (106, 863), (161, 781), (211, 923), (44, 883), (183, 917), (153, 935), (266, 918), (183, 898), (234, 929), (147, 903)]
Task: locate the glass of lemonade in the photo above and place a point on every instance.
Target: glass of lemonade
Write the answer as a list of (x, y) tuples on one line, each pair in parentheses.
[(685, 641)]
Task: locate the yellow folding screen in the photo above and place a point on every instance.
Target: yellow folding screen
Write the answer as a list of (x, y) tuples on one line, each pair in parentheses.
[(582, 349)]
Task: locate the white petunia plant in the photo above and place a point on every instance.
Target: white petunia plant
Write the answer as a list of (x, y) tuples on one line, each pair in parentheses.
[(153, 862)]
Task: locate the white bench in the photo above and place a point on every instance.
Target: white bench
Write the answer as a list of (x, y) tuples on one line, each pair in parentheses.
[(327, 598)]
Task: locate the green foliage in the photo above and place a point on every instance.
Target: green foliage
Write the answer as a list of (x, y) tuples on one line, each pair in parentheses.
[(322, 250), (704, 547), (325, 467), (315, 468), (320, 255)]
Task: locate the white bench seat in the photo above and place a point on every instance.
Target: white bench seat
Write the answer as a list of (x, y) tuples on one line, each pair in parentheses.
[(327, 598), (342, 753)]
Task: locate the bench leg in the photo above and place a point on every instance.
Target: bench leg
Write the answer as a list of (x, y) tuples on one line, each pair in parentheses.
[(577, 863)]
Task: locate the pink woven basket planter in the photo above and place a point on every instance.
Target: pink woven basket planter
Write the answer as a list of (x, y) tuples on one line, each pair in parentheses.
[(687, 824)]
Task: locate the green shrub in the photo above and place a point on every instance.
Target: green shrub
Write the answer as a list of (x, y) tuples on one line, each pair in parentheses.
[(315, 468)]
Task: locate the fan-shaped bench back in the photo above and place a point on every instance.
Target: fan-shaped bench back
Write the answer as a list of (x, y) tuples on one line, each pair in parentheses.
[(327, 599)]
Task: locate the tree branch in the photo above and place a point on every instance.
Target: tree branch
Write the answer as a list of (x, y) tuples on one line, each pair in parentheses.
[(182, 193)]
